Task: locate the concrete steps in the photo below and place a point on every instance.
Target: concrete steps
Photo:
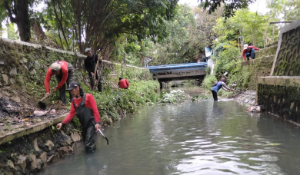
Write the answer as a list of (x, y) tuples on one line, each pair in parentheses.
[(268, 51)]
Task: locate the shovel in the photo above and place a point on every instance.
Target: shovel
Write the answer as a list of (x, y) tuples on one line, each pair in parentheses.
[(103, 135), (41, 104)]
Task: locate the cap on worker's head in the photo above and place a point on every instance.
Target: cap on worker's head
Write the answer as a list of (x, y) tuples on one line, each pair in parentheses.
[(246, 46), (55, 66), (87, 50), (223, 79), (73, 85)]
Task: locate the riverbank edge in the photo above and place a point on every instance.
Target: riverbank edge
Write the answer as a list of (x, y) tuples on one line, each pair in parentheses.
[(248, 99), (30, 150)]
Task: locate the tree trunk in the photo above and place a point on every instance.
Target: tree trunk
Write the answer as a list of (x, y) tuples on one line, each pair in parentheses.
[(23, 21), (19, 14)]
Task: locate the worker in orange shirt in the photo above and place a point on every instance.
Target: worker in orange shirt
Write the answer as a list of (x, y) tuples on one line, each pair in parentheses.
[(63, 72), (123, 83), (249, 51)]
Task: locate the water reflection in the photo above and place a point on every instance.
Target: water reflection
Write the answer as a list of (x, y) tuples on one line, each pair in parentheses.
[(191, 138)]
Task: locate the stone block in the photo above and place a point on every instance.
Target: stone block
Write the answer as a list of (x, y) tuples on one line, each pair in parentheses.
[(75, 137), (5, 79), (22, 162), (12, 81), (35, 145), (13, 71), (34, 163), (49, 144), (37, 64), (43, 157)]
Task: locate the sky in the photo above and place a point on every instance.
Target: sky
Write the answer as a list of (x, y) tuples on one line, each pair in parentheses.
[(259, 6)]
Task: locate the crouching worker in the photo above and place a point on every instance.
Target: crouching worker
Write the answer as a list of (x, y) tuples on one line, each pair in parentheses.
[(84, 107), (123, 83), (64, 74), (216, 87)]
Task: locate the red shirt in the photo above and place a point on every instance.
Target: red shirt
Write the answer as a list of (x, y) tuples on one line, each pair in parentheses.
[(64, 71), (89, 102), (246, 50), (123, 83)]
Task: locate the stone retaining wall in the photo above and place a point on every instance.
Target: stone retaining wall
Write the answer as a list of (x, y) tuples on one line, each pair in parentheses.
[(24, 65), (29, 154)]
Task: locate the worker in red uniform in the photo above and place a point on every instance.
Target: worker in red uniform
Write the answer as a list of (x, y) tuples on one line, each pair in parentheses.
[(249, 51), (83, 105), (123, 83), (63, 72)]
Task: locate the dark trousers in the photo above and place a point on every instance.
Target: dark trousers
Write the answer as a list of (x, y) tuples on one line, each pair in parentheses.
[(89, 137), (99, 85), (215, 95), (62, 90), (250, 54)]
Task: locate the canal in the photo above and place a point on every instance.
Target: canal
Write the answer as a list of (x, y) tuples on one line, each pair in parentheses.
[(191, 138)]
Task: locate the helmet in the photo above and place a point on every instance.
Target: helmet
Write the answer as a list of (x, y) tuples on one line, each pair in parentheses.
[(55, 66), (87, 50), (245, 46)]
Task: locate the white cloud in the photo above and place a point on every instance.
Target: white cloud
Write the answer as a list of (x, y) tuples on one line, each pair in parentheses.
[(259, 6), (192, 3)]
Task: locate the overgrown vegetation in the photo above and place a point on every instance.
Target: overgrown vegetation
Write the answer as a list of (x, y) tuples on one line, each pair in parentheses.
[(231, 34), (174, 96), (115, 103)]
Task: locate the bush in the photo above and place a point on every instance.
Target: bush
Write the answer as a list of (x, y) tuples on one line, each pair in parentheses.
[(209, 81), (116, 102)]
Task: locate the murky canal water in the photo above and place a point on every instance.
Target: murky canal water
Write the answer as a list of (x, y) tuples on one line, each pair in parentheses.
[(192, 138)]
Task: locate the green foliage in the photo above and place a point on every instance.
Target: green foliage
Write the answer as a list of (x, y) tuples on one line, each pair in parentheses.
[(115, 102), (183, 42), (245, 25), (209, 81), (11, 33), (284, 10), (230, 6), (199, 97), (227, 60), (76, 122), (174, 96)]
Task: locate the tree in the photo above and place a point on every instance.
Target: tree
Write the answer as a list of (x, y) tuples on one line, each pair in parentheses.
[(99, 24), (183, 43), (18, 12), (284, 9), (230, 5), (11, 34), (245, 24)]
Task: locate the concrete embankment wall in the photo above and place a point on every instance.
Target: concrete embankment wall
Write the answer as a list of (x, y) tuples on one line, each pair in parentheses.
[(27, 149), (280, 92)]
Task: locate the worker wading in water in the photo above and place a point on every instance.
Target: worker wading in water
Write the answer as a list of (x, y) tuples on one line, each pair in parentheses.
[(84, 107)]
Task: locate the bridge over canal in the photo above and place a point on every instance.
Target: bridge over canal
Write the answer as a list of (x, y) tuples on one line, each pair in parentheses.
[(169, 72)]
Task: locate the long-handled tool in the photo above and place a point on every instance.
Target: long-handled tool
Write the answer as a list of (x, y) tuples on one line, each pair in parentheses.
[(103, 136), (95, 75), (41, 104)]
